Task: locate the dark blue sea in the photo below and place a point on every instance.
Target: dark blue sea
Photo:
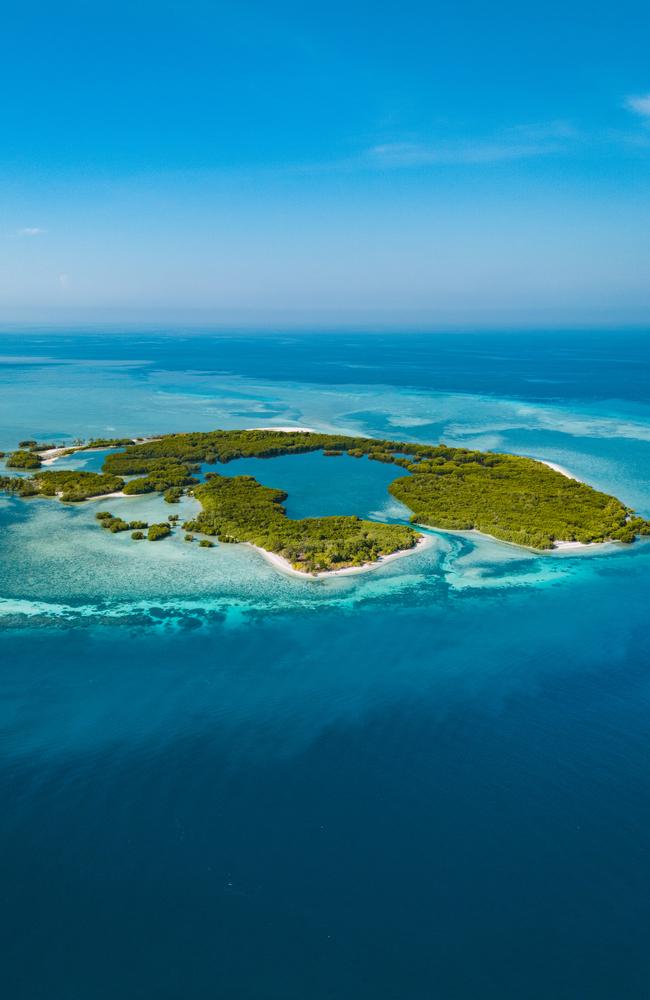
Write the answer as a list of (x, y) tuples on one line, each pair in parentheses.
[(426, 782)]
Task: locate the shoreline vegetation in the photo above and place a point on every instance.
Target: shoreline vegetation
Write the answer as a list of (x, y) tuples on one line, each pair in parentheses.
[(284, 566), (527, 502)]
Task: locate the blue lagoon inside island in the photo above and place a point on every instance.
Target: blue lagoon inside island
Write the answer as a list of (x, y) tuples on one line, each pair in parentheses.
[(508, 497)]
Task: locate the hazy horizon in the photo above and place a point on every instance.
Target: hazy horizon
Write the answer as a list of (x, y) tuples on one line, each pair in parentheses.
[(266, 322)]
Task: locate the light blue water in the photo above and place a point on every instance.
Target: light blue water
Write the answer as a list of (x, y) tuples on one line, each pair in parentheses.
[(428, 781)]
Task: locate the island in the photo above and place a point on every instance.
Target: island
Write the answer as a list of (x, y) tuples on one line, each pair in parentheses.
[(511, 498)]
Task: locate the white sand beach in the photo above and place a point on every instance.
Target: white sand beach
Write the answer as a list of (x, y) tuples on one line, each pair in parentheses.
[(285, 566), (117, 493), (559, 468), (286, 430), (50, 455), (101, 496), (557, 546)]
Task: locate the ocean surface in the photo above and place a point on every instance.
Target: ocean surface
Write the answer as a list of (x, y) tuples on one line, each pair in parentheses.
[(427, 782)]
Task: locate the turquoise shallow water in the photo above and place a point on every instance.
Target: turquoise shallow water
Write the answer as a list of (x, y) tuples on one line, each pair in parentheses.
[(431, 780)]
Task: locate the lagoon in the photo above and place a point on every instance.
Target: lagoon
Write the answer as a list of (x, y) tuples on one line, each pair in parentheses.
[(319, 486)]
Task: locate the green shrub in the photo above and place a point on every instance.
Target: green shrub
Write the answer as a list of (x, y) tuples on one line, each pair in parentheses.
[(158, 531), (23, 460), (75, 486), (117, 524)]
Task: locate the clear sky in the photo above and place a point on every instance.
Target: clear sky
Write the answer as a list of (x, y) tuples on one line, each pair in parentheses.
[(426, 164)]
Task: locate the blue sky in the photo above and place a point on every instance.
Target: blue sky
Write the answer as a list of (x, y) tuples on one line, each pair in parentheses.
[(343, 164)]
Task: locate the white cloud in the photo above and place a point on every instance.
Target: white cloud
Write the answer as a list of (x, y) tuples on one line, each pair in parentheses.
[(640, 105), (64, 281), (514, 143), (414, 154), (31, 231)]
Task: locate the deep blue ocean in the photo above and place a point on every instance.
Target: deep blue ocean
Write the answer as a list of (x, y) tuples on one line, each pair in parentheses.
[(428, 782)]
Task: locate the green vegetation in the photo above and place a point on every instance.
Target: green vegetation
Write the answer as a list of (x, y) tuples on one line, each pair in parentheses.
[(205, 543), (226, 446), (107, 443), (74, 486), (173, 494), (23, 460), (157, 531), (114, 524), (137, 536), (162, 478), (21, 486), (239, 509), (42, 446), (69, 486), (514, 499)]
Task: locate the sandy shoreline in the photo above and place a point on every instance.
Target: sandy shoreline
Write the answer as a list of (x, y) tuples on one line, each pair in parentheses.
[(578, 545), (118, 493), (285, 566), (286, 430), (50, 455), (560, 469), (557, 546)]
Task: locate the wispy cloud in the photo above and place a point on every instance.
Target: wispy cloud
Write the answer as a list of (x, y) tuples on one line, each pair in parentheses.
[(640, 105), (513, 144), (412, 154), (416, 154), (30, 231), (516, 143)]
